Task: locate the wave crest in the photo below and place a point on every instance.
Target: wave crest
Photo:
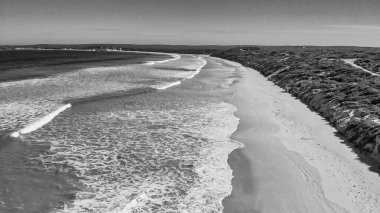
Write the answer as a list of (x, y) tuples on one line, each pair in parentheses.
[(40, 122)]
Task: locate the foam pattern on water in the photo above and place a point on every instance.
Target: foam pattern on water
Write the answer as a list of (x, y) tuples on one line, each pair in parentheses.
[(15, 115), (144, 160), (25, 101), (164, 151)]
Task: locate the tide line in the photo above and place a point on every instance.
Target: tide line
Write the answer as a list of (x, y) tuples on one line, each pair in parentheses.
[(40, 122)]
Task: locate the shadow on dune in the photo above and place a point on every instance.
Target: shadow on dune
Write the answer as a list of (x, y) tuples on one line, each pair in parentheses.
[(372, 165)]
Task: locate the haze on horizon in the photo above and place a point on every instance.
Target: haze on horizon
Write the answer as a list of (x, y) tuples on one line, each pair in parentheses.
[(195, 22)]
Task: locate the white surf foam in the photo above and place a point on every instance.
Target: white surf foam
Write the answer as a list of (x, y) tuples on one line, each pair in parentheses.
[(228, 82), (212, 168), (147, 172), (204, 62), (171, 84), (39, 123), (175, 57), (167, 85), (149, 63)]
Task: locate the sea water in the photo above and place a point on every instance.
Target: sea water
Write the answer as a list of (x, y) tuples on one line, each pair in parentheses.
[(136, 137)]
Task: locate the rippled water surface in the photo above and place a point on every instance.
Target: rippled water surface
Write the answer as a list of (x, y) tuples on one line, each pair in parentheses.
[(125, 145)]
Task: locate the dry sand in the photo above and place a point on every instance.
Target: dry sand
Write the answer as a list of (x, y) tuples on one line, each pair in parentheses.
[(292, 160)]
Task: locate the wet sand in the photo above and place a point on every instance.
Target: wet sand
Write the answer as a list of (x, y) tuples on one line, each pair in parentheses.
[(292, 160)]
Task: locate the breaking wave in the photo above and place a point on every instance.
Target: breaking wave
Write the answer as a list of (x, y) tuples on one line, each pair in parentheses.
[(198, 70), (40, 122), (145, 158), (25, 101), (167, 85), (146, 152), (175, 57)]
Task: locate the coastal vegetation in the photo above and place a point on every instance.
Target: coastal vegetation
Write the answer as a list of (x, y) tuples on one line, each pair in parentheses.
[(347, 97), (370, 62)]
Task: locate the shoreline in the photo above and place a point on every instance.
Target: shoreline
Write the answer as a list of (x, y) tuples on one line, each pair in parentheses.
[(292, 159), (212, 130), (344, 95)]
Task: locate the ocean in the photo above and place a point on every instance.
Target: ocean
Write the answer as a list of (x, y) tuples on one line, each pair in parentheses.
[(114, 131)]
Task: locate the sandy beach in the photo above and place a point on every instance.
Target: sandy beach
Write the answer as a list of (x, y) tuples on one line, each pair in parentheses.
[(292, 160)]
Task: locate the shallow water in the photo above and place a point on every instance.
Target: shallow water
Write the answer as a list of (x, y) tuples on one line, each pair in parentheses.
[(123, 146)]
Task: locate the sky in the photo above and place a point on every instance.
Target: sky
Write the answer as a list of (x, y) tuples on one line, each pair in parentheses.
[(191, 22)]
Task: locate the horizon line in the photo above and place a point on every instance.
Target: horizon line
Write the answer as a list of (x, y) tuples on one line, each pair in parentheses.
[(189, 45)]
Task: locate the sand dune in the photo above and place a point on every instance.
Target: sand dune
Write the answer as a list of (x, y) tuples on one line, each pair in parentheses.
[(292, 160)]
